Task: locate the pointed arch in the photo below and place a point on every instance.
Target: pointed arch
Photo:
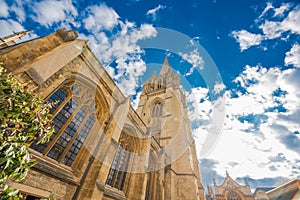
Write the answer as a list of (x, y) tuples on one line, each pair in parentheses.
[(156, 108), (79, 107)]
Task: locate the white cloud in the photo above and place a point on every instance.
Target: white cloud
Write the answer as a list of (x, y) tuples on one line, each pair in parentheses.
[(267, 8), (8, 26), (292, 21), (100, 17), (122, 49), (18, 9), (293, 56), (136, 100), (281, 10), (271, 28), (247, 39), (47, 12), (3, 9), (129, 70), (274, 29), (123, 43), (218, 87), (153, 12), (194, 58), (250, 142), (200, 106)]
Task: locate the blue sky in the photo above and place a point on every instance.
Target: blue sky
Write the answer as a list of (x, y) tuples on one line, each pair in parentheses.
[(243, 62)]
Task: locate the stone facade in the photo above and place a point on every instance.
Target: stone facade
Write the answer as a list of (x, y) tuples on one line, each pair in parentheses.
[(103, 148), (230, 190)]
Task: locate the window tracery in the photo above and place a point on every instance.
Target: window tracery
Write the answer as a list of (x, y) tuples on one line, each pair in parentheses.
[(73, 119), (233, 196)]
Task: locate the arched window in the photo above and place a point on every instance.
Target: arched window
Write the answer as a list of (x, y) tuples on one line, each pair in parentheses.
[(73, 119), (157, 110), (159, 85), (119, 167), (233, 196), (156, 113)]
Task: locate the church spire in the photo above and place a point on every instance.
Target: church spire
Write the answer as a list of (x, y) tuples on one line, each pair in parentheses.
[(165, 68), (153, 75)]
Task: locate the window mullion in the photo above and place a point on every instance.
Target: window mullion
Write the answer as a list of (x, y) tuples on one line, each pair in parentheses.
[(61, 131), (73, 138), (58, 109), (117, 167), (123, 169)]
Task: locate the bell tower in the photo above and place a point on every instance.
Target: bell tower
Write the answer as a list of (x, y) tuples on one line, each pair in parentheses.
[(163, 109)]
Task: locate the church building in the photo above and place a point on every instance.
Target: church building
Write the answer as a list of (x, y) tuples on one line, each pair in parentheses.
[(103, 148), (230, 190)]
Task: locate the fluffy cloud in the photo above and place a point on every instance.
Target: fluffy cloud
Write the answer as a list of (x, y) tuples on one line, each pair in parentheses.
[(293, 56), (199, 104), (3, 9), (274, 29), (100, 17), (261, 112), (153, 12), (47, 12), (129, 69), (267, 8), (8, 26), (218, 87), (247, 39), (292, 22), (194, 58), (122, 50), (18, 8), (281, 10), (271, 27), (125, 41)]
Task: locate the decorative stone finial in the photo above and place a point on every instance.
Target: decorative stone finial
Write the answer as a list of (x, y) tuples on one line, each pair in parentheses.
[(14, 36)]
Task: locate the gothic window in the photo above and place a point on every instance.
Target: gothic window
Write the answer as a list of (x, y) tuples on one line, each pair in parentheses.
[(73, 119), (159, 84), (233, 196), (118, 171), (157, 110), (156, 113)]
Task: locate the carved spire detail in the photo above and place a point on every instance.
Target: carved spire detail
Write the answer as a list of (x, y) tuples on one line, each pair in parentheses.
[(14, 36)]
